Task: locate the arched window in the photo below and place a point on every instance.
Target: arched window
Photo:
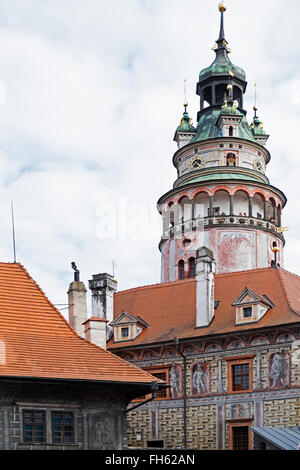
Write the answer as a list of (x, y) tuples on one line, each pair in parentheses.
[(181, 275), (192, 267), (231, 159)]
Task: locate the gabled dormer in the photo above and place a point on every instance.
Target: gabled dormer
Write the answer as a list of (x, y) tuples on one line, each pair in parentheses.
[(127, 327), (251, 307)]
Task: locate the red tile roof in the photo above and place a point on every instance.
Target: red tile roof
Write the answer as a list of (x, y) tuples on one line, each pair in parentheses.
[(36, 340), (170, 309)]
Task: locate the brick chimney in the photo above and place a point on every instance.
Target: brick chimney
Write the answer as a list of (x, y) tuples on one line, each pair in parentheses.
[(205, 287), (77, 303)]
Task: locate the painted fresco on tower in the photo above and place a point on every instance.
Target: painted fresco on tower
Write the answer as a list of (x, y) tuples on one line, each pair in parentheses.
[(236, 251)]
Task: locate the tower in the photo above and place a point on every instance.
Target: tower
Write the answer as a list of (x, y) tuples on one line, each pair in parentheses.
[(222, 198)]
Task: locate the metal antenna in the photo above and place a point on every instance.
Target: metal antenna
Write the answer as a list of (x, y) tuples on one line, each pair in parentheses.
[(13, 230)]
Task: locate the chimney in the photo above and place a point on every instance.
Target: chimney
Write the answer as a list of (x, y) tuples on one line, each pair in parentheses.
[(205, 287), (95, 331), (103, 287), (77, 303)]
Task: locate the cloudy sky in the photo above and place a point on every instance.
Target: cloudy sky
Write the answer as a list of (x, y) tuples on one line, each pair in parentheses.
[(90, 95)]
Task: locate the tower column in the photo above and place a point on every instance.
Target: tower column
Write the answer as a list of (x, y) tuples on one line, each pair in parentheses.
[(231, 204), (265, 209), (211, 206), (250, 206)]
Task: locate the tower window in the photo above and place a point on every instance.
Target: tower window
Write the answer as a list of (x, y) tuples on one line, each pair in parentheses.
[(181, 270), (231, 159), (192, 267), (230, 131)]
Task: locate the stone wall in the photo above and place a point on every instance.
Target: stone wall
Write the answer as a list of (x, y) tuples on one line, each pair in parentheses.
[(98, 410)]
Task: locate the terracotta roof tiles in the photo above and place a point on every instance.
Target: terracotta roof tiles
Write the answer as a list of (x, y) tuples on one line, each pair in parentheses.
[(170, 309), (36, 340)]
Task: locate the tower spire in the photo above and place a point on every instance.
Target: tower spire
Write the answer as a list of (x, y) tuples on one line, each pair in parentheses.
[(222, 9)]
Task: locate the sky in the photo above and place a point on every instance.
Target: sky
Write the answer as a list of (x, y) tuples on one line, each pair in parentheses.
[(90, 96)]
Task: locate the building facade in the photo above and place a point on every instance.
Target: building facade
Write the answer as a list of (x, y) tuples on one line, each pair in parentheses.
[(223, 327)]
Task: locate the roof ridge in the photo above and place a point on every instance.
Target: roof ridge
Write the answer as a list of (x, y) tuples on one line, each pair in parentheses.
[(158, 285), (244, 271)]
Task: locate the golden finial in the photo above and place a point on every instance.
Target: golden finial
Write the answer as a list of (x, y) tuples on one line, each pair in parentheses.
[(222, 7)]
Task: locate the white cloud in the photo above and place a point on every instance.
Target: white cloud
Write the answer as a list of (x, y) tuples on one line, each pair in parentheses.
[(94, 92)]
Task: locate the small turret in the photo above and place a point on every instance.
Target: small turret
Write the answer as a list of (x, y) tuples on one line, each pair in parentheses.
[(258, 130), (185, 131), (229, 119)]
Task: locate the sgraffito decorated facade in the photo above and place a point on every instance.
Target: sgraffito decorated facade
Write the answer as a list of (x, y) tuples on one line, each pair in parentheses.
[(223, 327)]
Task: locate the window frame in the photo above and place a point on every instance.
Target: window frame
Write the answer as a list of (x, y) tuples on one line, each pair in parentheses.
[(249, 310), (125, 328), (48, 409), (235, 361), (238, 423), (62, 442), (34, 423)]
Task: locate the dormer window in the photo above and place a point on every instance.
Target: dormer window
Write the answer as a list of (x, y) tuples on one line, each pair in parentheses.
[(127, 327), (251, 307)]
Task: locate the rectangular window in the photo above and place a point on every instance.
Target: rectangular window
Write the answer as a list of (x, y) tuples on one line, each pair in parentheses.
[(247, 312), (240, 438), (240, 373), (62, 427), (161, 376), (34, 426), (240, 377), (125, 332)]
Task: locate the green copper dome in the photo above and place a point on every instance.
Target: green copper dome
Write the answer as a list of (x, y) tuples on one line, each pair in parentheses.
[(222, 66), (186, 124), (257, 126)]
